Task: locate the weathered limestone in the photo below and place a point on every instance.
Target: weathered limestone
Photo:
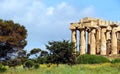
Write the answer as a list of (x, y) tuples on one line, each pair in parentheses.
[(102, 36), (103, 40), (114, 39), (74, 38), (118, 35), (92, 41), (98, 36), (82, 41), (74, 35), (108, 34)]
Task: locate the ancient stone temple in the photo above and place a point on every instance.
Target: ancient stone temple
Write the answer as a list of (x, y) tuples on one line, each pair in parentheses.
[(96, 36)]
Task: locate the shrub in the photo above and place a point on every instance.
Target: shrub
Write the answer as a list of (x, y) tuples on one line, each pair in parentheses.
[(91, 59), (2, 68), (36, 66), (117, 60), (42, 60), (28, 64)]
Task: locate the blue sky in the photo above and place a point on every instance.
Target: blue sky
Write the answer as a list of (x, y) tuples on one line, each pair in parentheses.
[(48, 20)]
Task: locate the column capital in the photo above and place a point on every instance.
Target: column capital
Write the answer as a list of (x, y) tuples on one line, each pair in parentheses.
[(103, 26), (81, 28), (114, 25), (73, 26), (93, 29)]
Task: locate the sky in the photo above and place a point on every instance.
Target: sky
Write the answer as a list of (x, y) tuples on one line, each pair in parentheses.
[(48, 20)]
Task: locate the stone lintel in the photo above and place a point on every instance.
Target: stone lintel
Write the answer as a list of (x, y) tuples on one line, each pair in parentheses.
[(107, 30)]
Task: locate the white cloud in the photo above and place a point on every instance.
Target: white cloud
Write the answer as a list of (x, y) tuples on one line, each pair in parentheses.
[(50, 11), (44, 23)]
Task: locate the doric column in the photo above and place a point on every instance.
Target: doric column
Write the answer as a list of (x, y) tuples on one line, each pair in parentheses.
[(82, 41), (92, 41), (74, 35), (74, 39), (103, 40), (98, 32), (114, 39)]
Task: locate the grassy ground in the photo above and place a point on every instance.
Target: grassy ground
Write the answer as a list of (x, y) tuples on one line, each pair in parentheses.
[(106, 68)]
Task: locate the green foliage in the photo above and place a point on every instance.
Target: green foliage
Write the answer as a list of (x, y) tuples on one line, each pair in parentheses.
[(117, 60), (42, 60), (36, 66), (105, 68), (2, 68), (35, 50), (28, 64), (91, 59), (61, 52), (13, 62), (12, 38)]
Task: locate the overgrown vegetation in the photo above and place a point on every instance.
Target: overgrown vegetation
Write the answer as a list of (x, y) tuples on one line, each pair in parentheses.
[(12, 40), (91, 59), (117, 60), (28, 64), (106, 68), (61, 52), (2, 68)]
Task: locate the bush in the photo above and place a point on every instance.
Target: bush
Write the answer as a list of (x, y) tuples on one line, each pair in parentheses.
[(91, 59), (117, 60), (2, 68), (28, 64), (42, 60), (36, 66)]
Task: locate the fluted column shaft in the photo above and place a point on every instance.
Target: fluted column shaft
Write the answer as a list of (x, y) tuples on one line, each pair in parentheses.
[(74, 39), (92, 42), (82, 42), (114, 41), (98, 41), (103, 41)]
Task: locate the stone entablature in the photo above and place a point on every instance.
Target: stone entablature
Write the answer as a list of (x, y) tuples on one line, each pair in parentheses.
[(94, 34)]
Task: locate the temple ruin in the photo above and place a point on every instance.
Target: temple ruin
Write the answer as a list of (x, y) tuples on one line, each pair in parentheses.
[(96, 36)]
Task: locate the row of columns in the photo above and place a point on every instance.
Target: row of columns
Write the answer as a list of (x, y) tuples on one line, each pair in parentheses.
[(97, 38)]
